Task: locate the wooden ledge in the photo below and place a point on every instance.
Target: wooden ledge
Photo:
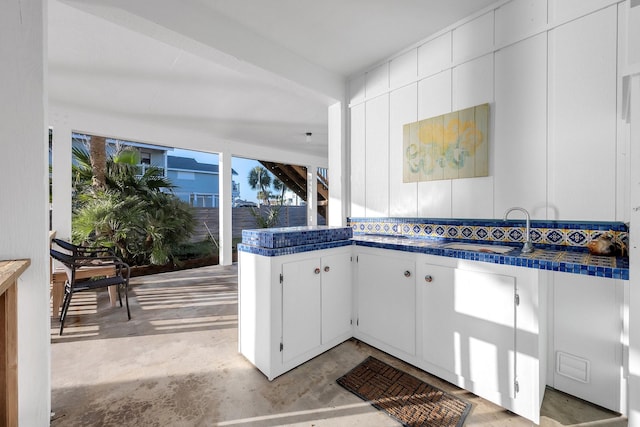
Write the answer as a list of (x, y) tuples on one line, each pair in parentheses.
[(10, 271)]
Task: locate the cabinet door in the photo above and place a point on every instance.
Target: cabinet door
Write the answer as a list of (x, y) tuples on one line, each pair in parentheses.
[(587, 329), (336, 296), (468, 325), (386, 300), (300, 307)]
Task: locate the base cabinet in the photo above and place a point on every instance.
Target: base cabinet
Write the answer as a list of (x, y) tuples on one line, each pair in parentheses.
[(301, 308), (293, 307), (588, 335), (386, 300), (468, 325), (482, 327)]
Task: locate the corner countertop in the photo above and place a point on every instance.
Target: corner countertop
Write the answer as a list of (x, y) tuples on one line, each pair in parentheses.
[(569, 261)]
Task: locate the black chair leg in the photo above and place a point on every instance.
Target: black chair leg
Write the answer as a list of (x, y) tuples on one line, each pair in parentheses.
[(126, 298), (119, 295), (65, 306)]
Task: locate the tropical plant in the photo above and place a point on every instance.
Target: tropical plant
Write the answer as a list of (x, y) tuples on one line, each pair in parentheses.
[(121, 172), (267, 219), (260, 179), (132, 215)]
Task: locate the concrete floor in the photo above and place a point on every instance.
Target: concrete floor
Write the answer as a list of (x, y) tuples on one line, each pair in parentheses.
[(176, 363)]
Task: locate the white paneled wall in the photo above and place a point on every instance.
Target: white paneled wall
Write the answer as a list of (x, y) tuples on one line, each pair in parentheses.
[(520, 142), (519, 19), (582, 117), (377, 156), (472, 83), (358, 150), (435, 55), (403, 109), (552, 87), (473, 38), (561, 11)]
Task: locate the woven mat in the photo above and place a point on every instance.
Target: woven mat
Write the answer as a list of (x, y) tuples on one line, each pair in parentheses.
[(404, 397)]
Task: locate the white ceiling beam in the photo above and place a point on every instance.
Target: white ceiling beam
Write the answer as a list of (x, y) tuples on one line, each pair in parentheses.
[(214, 37)]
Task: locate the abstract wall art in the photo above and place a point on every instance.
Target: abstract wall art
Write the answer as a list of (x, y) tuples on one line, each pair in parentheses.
[(451, 146)]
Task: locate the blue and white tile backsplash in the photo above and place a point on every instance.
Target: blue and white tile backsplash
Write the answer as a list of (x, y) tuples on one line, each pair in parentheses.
[(553, 234)]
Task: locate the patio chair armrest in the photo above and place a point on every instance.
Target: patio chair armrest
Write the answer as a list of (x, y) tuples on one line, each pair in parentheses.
[(89, 262)]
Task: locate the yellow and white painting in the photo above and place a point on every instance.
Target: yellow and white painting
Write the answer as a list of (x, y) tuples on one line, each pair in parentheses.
[(450, 146)]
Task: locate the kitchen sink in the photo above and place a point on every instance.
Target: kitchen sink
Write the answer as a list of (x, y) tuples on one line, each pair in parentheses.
[(479, 247)]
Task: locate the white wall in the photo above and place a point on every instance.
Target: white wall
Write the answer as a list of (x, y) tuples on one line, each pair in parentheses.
[(549, 72), (23, 211)]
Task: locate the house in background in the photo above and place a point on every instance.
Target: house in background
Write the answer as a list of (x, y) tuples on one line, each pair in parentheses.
[(195, 183)]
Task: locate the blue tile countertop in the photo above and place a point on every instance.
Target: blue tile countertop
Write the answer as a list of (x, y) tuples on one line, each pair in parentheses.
[(569, 258), (569, 261), (286, 237), (292, 240)]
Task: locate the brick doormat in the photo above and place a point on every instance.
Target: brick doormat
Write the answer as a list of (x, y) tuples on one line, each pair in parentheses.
[(404, 397)]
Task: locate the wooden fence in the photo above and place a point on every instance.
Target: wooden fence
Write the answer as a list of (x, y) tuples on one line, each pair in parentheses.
[(241, 219)]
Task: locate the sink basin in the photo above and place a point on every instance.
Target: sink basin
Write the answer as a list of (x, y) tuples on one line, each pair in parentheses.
[(479, 247)]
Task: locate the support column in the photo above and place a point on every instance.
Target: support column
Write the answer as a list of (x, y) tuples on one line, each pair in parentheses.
[(312, 195), (634, 258), (24, 173), (61, 178), (225, 211), (336, 215)]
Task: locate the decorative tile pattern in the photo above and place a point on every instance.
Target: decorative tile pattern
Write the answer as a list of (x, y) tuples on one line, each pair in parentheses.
[(556, 234), (560, 245), (274, 238), (269, 252)]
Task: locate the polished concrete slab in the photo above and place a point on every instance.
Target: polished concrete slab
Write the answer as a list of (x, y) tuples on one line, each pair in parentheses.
[(176, 363)]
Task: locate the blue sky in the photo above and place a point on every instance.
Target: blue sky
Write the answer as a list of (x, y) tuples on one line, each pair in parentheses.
[(239, 164)]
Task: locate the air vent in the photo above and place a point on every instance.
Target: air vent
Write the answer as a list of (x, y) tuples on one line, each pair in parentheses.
[(573, 367)]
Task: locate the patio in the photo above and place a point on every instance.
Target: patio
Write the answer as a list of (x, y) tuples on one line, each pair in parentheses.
[(176, 363)]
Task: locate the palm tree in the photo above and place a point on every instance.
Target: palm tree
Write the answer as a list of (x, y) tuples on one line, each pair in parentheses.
[(279, 185), (131, 213), (259, 179), (121, 173), (98, 152)]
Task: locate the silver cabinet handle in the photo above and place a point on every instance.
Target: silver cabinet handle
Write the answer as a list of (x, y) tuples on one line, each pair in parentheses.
[(317, 270), (407, 273), (428, 278), (326, 268)]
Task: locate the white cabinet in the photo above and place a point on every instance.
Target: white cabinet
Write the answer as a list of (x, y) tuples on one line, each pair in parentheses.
[(386, 300), (301, 304), (336, 297), (293, 307), (588, 335), (482, 327), (468, 325)]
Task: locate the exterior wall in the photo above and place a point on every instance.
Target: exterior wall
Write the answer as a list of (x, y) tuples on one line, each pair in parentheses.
[(549, 72), (24, 209), (202, 183)]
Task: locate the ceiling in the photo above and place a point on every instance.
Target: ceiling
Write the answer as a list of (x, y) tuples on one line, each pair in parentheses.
[(260, 72)]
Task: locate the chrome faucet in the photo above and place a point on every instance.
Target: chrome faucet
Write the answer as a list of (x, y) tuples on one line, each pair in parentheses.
[(528, 246)]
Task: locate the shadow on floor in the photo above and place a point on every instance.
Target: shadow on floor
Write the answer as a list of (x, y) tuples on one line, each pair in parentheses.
[(176, 363)]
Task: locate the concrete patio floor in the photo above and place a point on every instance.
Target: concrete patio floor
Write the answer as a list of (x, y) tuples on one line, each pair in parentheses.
[(176, 363)]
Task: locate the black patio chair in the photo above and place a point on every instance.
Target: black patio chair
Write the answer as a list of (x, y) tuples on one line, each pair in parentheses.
[(75, 264), (85, 251)]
